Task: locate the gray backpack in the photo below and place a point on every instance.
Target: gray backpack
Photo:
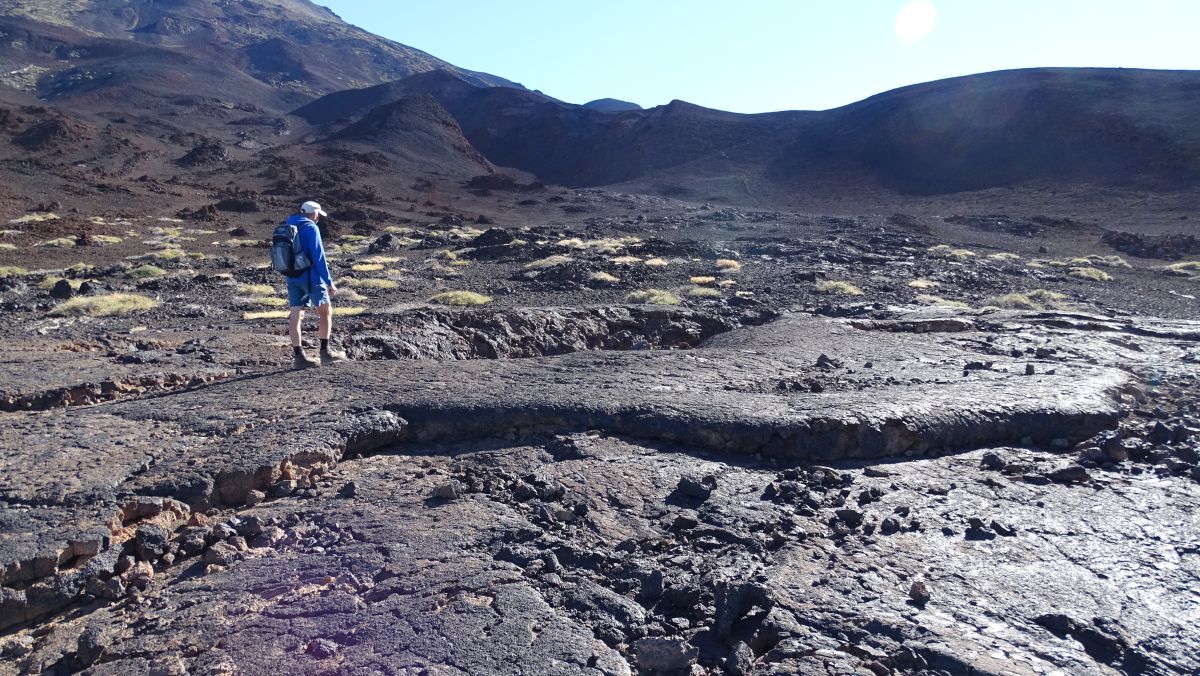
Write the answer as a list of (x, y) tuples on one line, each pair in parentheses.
[(287, 257)]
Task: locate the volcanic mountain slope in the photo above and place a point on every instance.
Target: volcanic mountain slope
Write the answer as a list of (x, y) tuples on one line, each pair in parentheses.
[(294, 48), (998, 129)]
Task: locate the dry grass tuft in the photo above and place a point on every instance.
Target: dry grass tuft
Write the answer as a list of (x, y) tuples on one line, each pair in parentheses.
[(702, 280), (236, 243), (110, 305), (256, 289), (268, 301), (1093, 274), (12, 271), (348, 311), (41, 217), (58, 243), (460, 298), (625, 260), (652, 297), (703, 292), (372, 283), (607, 245), (938, 301), (367, 267), (728, 265), (924, 284), (146, 272), (1005, 256), (950, 253), (351, 295), (655, 263), (1038, 299), (266, 314), (5, 246), (603, 278), (548, 262), (1101, 261), (1183, 269), (836, 287), (107, 239)]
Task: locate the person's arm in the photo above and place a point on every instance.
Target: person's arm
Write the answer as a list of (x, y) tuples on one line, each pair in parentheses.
[(310, 239)]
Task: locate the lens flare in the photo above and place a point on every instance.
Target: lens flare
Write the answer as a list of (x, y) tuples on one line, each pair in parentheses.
[(915, 20)]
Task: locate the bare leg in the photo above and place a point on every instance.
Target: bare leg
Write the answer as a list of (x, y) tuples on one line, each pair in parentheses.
[(325, 323), (294, 319)]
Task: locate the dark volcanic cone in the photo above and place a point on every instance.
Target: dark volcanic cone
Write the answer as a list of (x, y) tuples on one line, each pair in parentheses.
[(417, 128)]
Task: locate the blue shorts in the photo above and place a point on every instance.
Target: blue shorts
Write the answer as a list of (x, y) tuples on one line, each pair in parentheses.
[(302, 294)]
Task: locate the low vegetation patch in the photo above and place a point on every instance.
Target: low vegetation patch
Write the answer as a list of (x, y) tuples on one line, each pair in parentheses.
[(49, 283), (106, 239), (1101, 261), (348, 311), (256, 289), (385, 260), (655, 263), (266, 314), (373, 283), (950, 253), (835, 287), (58, 243), (625, 260), (728, 265), (1184, 268), (938, 301), (351, 295), (268, 301), (40, 217), (1038, 299), (1005, 256), (146, 272), (1093, 274), (12, 271), (460, 298), (236, 243), (652, 297), (5, 246), (548, 262), (924, 284), (703, 292), (367, 267), (702, 280), (608, 245), (603, 278), (110, 305)]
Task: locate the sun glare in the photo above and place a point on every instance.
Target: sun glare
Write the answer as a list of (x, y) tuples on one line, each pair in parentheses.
[(915, 20)]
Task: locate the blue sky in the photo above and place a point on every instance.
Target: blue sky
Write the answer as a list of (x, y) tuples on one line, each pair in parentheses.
[(766, 55)]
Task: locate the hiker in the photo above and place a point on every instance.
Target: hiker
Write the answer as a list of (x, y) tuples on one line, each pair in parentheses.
[(298, 253)]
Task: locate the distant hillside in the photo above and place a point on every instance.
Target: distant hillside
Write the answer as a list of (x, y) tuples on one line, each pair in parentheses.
[(611, 105), (1130, 127)]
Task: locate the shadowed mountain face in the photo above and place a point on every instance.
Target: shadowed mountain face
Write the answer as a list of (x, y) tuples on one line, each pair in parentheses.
[(996, 129)]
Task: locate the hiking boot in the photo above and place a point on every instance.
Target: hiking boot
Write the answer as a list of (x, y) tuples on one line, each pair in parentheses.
[(332, 357), (302, 361)]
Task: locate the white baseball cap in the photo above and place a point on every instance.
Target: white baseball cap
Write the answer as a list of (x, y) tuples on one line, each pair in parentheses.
[(312, 208)]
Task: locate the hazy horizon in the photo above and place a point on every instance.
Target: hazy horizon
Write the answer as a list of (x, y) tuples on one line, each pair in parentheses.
[(780, 55)]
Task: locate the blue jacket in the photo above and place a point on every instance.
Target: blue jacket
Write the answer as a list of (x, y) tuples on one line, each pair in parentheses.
[(310, 241)]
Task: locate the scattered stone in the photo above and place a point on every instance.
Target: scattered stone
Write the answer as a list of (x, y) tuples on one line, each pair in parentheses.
[(451, 490), (348, 490), (270, 537), (698, 488), (740, 660), (151, 542), (221, 554), (889, 526), (992, 461), (665, 654), (62, 290), (322, 648), (140, 575), (91, 646), (255, 498), (1069, 474), (919, 593)]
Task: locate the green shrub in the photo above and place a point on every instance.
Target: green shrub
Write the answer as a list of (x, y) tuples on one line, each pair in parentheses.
[(146, 272)]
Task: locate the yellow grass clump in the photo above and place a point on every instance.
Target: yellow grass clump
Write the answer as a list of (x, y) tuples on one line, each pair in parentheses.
[(348, 311), (655, 263), (12, 271), (110, 305), (268, 301), (1038, 299), (372, 283), (950, 253), (836, 287), (652, 297), (1089, 273), (460, 298), (938, 301), (58, 243), (603, 278), (728, 265), (5, 246), (1101, 261), (924, 284), (107, 239), (703, 292), (607, 245), (256, 289), (1005, 256), (41, 217), (266, 314), (702, 280), (367, 267), (1184, 268), (625, 260), (548, 262), (385, 260), (235, 243), (146, 272)]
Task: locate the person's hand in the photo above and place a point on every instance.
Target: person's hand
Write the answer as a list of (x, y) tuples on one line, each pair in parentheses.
[(332, 289)]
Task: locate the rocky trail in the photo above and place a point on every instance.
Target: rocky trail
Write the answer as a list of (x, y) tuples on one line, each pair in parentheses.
[(899, 491)]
